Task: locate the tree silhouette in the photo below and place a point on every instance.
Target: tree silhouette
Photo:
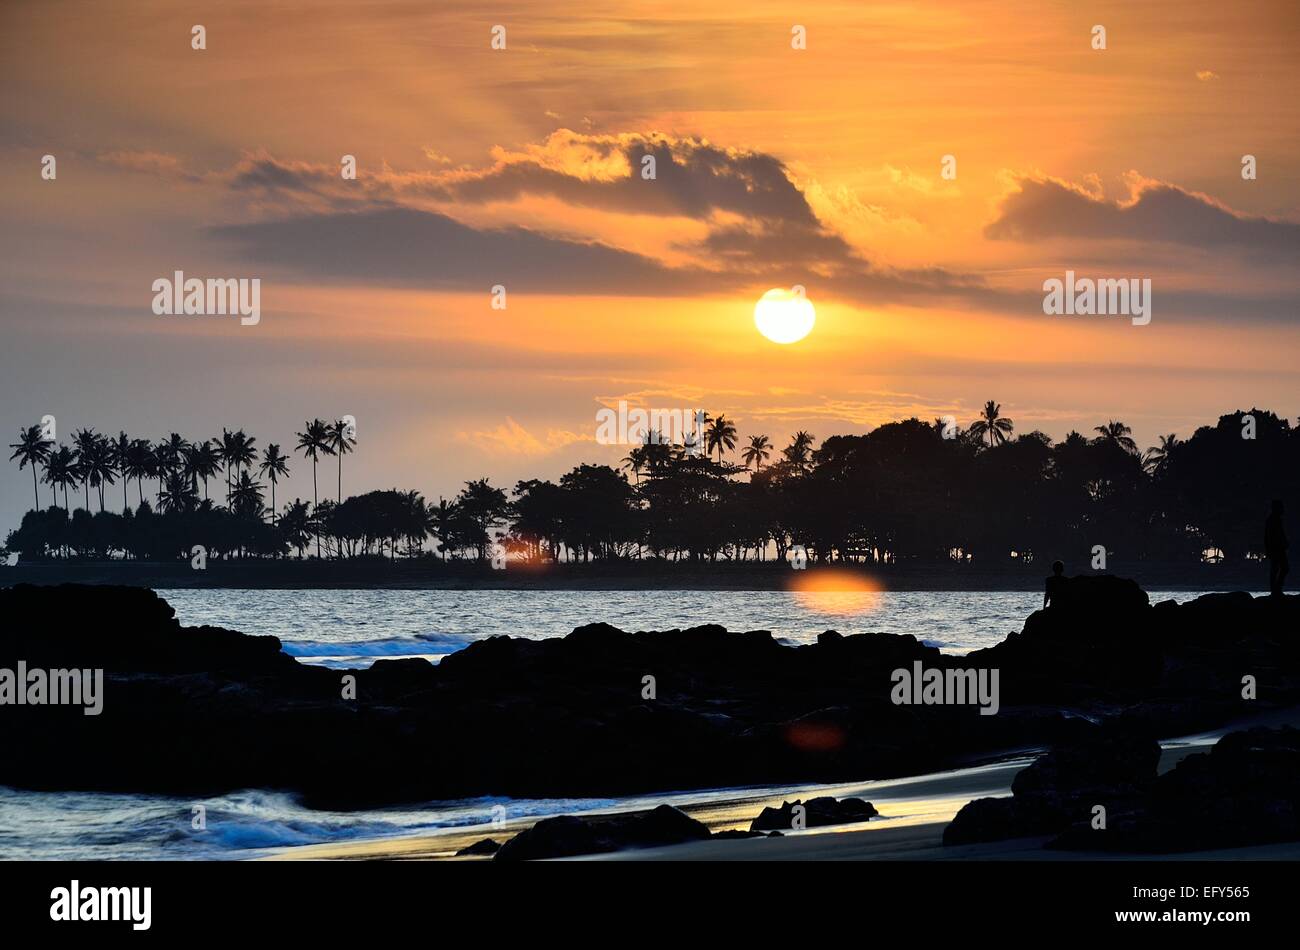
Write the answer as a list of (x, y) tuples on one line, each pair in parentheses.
[(32, 448), (992, 425), (274, 465), (757, 452), (1118, 434), (720, 435), (341, 442), (313, 442)]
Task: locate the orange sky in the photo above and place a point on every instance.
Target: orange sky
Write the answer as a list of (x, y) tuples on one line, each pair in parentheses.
[(518, 166)]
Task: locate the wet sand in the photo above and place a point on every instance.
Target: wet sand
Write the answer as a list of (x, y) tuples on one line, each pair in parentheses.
[(913, 813)]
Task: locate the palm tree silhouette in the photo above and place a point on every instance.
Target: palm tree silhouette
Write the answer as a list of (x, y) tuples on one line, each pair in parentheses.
[(86, 441), (721, 434), (119, 456), (61, 471), (799, 452), (313, 442), (1157, 457), (32, 448), (202, 461), (992, 424), (341, 442), (757, 452), (274, 464), (180, 495), (246, 497), (169, 453), (137, 464), (442, 524), (1118, 433), (634, 461)]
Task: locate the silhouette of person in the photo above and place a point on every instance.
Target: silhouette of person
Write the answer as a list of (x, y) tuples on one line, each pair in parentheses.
[(1055, 592), (1275, 549)]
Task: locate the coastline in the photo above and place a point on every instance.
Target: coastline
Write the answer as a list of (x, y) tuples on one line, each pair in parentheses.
[(291, 574), (913, 813)]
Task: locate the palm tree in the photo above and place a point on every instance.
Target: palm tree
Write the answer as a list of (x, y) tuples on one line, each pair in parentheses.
[(202, 461), (1118, 433), (246, 496), (295, 525), (1156, 458), (119, 452), (61, 471), (32, 448), (799, 451), (757, 452), (313, 442), (180, 494), (97, 466), (442, 524), (992, 424), (169, 453), (341, 441), (274, 464), (139, 464), (634, 461), (235, 449), (720, 435), (86, 441)]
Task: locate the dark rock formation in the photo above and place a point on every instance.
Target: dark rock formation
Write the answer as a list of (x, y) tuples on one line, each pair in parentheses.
[(1244, 791), (1108, 766), (737, 833), (480, 847), (567, 836), (204, 710), (818, 813)]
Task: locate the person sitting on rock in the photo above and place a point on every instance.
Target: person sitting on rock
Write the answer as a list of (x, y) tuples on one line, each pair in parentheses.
[(1055, 592), (1275, 549)]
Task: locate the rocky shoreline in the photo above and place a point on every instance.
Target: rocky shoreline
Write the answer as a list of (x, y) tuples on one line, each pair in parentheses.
[(204, 710)]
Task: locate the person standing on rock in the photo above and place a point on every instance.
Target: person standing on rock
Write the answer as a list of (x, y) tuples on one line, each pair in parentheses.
[(1055, 588), (1275, 549)]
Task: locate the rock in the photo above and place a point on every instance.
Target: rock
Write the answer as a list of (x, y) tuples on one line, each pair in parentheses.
[(567, 836), (1107, 765), (738, 833), (818, 812), (564, 717), (482, 846), (1244, 791)]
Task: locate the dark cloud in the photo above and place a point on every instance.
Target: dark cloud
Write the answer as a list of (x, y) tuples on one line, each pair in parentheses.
[(778, 242), (692, 178), (1047, 208), (405, 247)]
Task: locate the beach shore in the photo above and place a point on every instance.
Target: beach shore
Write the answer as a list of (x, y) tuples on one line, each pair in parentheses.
[(913, 812)]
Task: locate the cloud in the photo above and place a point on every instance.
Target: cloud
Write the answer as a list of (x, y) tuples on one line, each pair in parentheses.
[(158, 164), (1206, 75), (1043, 207), (425, 249), (510, 438)]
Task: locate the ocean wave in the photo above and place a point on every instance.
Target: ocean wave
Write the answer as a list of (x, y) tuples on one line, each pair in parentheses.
[(422, 644)]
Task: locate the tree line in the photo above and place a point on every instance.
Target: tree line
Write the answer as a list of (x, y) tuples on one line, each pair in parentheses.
[(913, 490)]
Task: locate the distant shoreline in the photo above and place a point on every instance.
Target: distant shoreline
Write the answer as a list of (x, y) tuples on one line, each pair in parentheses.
[(429, 575)]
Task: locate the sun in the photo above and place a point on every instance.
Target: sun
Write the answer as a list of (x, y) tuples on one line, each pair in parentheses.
[(784, 316)]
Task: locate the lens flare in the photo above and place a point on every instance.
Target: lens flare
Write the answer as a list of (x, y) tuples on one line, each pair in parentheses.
[(837, 593)]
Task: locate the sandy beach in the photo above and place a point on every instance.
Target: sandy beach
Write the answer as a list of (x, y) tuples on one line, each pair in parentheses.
[(913, 812)]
